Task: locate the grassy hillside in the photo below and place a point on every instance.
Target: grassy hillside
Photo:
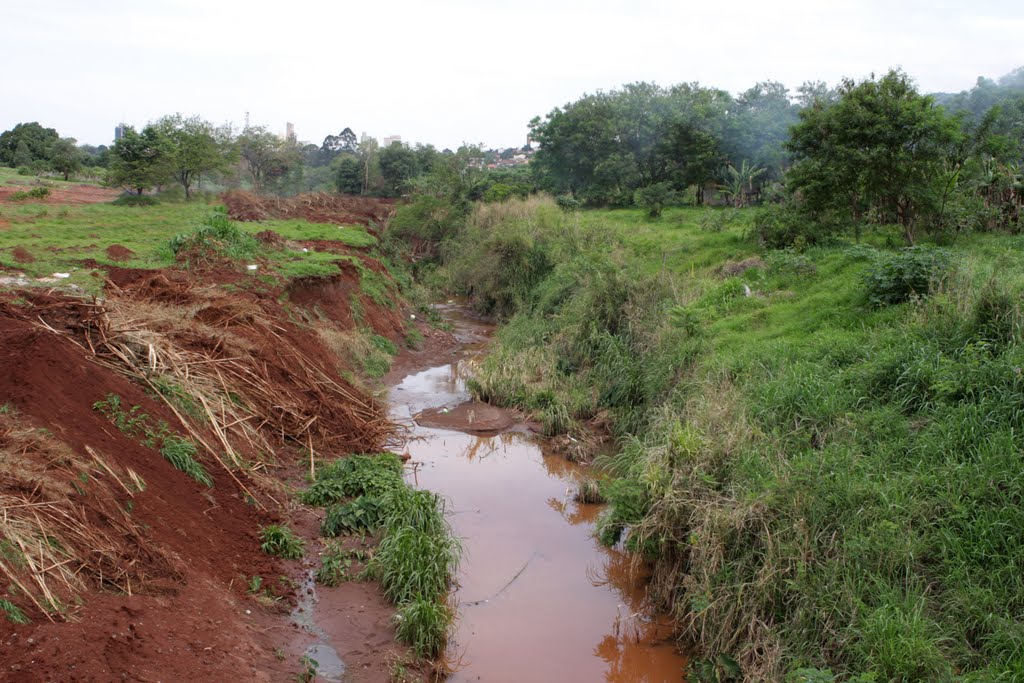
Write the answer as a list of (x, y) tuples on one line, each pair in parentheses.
[(820, 451), (69, 238)]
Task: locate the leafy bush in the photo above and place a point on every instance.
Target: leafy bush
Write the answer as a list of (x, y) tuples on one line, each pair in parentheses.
[(780, 227), (361, 514), (788, 262), (281, 541), (567, 202), (34, 193), (653, 198), (910, 273)]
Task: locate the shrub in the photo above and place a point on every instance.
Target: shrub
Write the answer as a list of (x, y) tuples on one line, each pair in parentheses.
[(217, 238), (653, 198), (34, 193), (779, 227), (567, 202), (361, 514), (910, 273), (281, 541)]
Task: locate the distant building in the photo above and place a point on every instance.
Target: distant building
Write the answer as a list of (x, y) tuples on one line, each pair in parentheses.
[(390, 140), (118, 132), (289, 132)]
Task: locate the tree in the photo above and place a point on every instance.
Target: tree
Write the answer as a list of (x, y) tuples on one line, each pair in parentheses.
[(65, 157), (259, 149), (344, 142), (139, 161), (878, 152), (348, 174), (738, 183), (25, 143), (193, 149), (399, 165)]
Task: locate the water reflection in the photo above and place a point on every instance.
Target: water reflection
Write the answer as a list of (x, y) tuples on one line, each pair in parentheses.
[(540, 599)]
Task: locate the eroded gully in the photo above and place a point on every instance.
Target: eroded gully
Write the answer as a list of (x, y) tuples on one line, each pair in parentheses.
[(539, 599)]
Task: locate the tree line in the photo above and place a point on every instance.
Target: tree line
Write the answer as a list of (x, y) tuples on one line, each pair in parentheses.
[(188, 151), (875, 149)]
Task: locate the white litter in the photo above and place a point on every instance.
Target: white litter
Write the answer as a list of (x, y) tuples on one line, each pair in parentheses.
[(412, 317), (62, 275), (252, 266), (746, 291), (304, 249)]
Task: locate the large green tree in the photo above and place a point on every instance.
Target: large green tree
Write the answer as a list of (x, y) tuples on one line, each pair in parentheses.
[(194, 148), (399, 165), (881, 152), (26, 143), (348, 174), (139, 161), (260, 151), (65, 157)]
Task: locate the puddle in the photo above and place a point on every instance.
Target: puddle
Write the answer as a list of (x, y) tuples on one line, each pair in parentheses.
[(329, 666), (539, 598)]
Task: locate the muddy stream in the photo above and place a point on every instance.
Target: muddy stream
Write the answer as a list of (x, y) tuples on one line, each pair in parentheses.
[(539, 598)]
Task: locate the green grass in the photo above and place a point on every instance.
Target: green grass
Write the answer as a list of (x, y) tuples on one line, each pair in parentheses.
[(62, 238), (281, 541), (417, 554), (13, 613), (176, 449), (823, 481)]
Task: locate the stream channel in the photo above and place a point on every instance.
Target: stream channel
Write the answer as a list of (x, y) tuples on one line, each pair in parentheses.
[(539, 599)]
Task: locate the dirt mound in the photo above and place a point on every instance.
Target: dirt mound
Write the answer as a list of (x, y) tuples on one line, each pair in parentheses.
[(315, 207), (22, 255), (734, 268), (270, 238), (472, 417), (118, 253)]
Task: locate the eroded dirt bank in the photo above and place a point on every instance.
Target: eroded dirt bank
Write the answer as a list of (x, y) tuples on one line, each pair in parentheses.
[(117, 565)]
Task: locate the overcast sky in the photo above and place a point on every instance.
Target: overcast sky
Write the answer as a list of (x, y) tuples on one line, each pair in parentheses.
[(448, 71)]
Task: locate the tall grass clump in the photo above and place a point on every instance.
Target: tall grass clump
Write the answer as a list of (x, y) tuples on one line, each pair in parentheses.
[(416, 556), (216, 239)]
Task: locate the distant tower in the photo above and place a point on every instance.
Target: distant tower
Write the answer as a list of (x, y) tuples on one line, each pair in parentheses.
[(246, 119), (390, 140), (289, 131), (118, 132)]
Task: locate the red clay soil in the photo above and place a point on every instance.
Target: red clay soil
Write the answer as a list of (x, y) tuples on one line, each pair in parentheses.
[(315, 207), (118, 253), (332, 297), (22, 255), (64, 194), (188, 550)]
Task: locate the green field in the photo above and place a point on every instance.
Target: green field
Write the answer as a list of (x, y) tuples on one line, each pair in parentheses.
[(61, 238), (829, 489)]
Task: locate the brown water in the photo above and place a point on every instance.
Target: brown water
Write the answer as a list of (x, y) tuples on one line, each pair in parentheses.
[(539, 598)]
